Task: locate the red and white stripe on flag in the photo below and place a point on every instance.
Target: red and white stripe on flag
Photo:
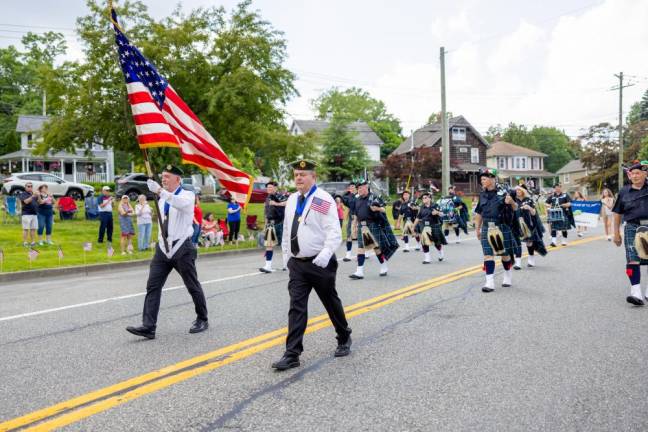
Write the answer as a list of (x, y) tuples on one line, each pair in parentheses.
[(175, 125)]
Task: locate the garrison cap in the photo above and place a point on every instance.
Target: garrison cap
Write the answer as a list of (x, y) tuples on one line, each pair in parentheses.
[(303, 164), (173, 170), (640, 165)]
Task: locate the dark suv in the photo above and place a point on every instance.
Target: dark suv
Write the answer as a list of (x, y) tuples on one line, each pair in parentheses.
[(133, 185)]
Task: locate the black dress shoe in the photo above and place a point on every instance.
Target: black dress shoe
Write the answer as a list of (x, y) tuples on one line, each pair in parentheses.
[(264, 270), (199, 326), (635, 301), (343, 349), (141, 331), (427, 262), (517, 267), (487, 289), (406, 250), (355, 276), (346, 259), (286, 362)]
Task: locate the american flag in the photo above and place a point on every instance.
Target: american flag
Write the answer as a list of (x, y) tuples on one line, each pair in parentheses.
[(32, 254), (320, 205), (163, 119), (60, 252), (87, 246)]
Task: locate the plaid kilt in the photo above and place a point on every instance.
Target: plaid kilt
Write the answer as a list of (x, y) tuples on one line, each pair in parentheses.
[(384, 237), (437, 233), (629, 233), (509, 241)]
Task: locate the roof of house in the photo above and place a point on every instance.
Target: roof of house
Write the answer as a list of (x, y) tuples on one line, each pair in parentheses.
[(430, 135), (572, 166), (30, 123), (503, 148), (366, 135)]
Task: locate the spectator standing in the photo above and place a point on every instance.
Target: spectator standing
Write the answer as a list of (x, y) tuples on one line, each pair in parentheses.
[(340, 209), (29, 216), (45, 214), (105, 215), (126, 213), (233, 220), (144, 215), (607, 204), (197, 221)]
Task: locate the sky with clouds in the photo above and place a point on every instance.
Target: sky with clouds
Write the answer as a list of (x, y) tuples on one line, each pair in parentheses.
[(536, 63)]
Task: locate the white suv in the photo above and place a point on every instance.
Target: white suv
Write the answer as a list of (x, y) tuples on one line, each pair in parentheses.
[(15, 183)]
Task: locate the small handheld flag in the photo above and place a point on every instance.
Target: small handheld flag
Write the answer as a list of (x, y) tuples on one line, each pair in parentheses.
[(87, 246)]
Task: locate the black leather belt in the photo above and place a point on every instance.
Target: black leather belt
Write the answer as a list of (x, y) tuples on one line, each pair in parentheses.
[(305, 258)]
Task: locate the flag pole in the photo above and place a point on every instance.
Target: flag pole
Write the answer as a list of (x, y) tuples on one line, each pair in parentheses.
[(150, 173)]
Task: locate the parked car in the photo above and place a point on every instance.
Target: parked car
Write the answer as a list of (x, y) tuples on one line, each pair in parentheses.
[(134, 184), (15, 184), (258, 195), (339, 188)]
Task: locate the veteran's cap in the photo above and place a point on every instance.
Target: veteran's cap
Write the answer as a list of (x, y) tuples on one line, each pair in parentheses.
[(640, 165), (488, 172), (303, 164), (173, 170)]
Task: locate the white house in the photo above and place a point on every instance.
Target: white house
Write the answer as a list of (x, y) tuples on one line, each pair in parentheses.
[(93, 165), (365, 134), (516, 163)]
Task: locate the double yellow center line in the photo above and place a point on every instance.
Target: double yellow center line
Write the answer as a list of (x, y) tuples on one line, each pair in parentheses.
[(84, 406)]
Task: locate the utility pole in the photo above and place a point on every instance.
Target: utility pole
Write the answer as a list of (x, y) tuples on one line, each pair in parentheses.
[(620, 88), (445, 145)]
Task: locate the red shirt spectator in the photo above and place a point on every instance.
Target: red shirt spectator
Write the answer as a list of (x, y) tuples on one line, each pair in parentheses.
[(198, 215)]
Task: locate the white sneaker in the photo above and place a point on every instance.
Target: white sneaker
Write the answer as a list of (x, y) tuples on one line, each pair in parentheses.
[(489, 286), (563, 242), (609, 238), (359, 274), (426, 258), (508, 277), (518, 263), (383, 269), (531, 261), (440, 254), (418, 247), (458, 240), (580, 234)]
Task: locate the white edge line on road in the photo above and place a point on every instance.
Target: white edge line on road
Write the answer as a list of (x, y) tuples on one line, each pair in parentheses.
[(128, 296)]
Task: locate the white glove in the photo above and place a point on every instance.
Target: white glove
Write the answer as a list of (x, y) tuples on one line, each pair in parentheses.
[(322, 259), (153, 186)]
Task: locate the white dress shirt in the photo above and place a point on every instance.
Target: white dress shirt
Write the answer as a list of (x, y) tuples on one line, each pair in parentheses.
[(318, 233), (180, 217)]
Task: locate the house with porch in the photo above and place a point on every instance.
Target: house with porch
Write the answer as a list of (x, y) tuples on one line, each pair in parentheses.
[(467, 151), (515, 163), (369, 139), (94, 164)]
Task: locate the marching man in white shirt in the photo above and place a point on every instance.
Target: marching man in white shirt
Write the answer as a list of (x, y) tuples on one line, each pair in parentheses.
[(310, 237), (176, 206)]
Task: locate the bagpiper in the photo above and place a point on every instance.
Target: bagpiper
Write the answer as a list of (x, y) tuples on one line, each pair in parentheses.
[(493, 219), (348, 199), (461, 216), (407, 215), (374, 231), (631, 207), (559, 214), (530, 228), (428, 220)]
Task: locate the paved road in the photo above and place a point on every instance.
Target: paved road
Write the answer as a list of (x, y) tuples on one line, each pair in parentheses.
[(560, 350)]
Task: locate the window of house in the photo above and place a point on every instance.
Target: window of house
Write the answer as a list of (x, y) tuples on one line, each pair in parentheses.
[(463, 150), (523, 163), (502, 162), (459, 134), (474, 155), (565, 178)]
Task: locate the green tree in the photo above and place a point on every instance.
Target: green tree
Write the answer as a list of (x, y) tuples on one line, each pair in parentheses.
[(355, 104), (555, 144), (600, 157), (227, 67), (343, 155)]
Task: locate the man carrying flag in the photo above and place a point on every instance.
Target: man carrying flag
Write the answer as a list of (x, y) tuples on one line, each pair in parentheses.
[(162, 119)]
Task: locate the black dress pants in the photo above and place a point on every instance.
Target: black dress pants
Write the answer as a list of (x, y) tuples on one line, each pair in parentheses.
[(184, 262), (304, 276)]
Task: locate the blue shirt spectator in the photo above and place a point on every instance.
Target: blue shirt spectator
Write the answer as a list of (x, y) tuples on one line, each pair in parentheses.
[(236, 215)]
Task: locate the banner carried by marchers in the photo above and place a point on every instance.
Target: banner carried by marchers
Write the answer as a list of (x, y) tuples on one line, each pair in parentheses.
[(163, 119), (586, 213)]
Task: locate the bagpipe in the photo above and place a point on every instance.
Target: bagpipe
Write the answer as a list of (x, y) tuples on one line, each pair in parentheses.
[(426, 235), (495, 239), (448, 213), (368, 239)]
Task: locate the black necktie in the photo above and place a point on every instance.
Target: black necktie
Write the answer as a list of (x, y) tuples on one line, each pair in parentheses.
[(294, 243)]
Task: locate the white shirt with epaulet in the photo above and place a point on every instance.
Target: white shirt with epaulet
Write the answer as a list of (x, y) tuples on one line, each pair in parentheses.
[(319, 231)]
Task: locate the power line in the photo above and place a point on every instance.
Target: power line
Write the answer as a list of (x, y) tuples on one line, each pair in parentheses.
[(37, 26)]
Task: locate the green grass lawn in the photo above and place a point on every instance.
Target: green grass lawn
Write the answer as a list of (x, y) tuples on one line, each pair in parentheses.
[(71, 234)]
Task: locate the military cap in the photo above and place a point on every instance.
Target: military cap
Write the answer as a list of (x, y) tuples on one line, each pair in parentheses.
[(273, 183), (425, 194), (173, 170), (362, 182), (303, 164)]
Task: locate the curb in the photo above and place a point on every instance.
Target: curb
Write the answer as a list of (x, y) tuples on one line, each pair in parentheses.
[(95, 268)]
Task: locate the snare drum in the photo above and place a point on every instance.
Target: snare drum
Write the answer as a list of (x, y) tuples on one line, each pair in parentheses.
[(556, 215)]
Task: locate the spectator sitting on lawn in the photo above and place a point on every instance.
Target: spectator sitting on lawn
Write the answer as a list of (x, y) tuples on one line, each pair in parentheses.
[(126, 213), (67, 207), (212, 231)]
